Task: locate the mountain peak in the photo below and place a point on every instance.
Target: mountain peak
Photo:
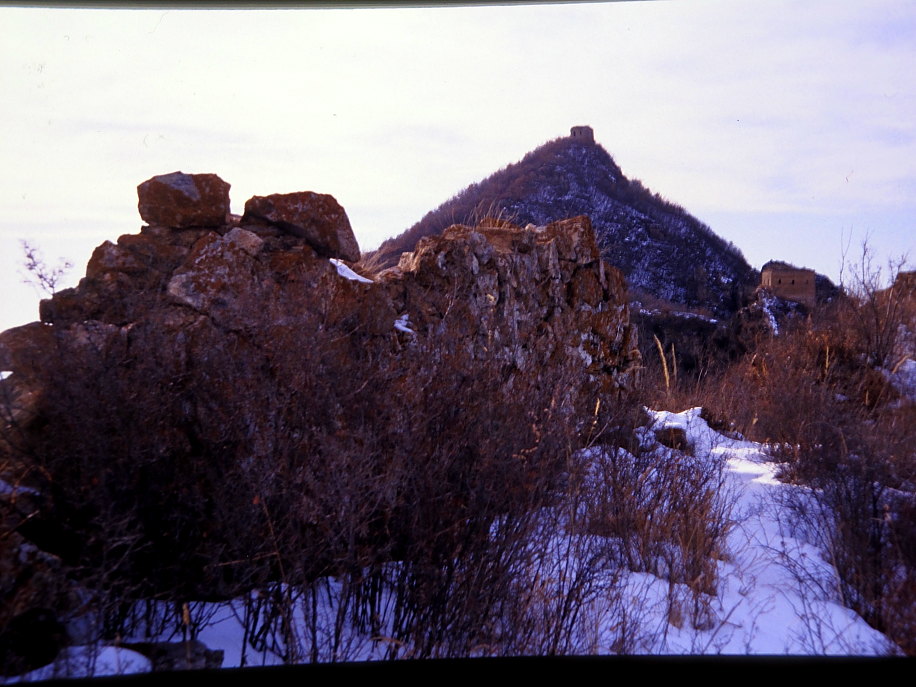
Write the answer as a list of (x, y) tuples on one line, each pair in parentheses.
[(658, 245)]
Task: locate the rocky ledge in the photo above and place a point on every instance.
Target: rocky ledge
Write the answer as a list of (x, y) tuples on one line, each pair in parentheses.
[(527, 296)]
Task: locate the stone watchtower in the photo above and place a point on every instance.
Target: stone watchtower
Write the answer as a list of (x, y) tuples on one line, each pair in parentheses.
[(789, 282), (582, 133)]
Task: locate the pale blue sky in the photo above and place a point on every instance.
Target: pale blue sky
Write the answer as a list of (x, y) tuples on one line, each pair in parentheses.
[(785, 126)]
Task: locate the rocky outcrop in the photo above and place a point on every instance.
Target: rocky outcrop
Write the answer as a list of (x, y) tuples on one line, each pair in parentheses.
[(528, 297), (146, 403), (525, 296)]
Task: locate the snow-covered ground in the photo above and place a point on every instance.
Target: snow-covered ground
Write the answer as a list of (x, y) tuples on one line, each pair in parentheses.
[(775, 593), (675, 313), (903, 379)]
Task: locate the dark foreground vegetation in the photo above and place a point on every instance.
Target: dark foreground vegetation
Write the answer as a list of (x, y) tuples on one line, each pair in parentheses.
[(419, 503)]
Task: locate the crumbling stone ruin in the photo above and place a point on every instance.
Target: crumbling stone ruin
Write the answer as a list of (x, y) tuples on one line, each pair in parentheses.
[(583, 133), (789, 283)]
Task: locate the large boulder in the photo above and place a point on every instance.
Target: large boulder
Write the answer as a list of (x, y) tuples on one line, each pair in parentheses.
[(181, 200), (316, 217)]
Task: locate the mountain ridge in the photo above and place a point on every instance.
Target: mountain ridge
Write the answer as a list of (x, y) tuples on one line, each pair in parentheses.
[(659, 246)]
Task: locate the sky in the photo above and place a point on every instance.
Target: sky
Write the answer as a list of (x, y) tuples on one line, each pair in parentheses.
[(789, 128)]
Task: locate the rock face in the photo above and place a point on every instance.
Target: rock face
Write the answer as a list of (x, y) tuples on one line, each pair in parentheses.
[(529, 297), (232, 357), (35, 590), (180, 200), (522, 295), (315, 217)]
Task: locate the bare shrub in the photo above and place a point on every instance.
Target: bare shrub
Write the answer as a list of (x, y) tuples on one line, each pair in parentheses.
[(818, 395), (266, 468), (38, 274), (664, 512), (878, 312), (864, 524)]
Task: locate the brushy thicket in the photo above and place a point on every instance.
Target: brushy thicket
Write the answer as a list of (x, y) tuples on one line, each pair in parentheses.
[(819, 395), (403, 458), (433, 502)]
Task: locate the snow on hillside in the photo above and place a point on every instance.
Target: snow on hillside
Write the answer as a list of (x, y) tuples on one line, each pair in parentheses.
[(775, 592), (655, 244)]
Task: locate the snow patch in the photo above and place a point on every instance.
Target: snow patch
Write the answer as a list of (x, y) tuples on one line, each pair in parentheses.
[(7, 489), (402, 324), (83, 662), (347, 273), (903, 379), (774, 590), (674, 313), (767, 303), (775, 593)]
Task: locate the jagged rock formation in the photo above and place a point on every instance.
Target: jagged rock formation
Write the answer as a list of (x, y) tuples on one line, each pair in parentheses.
[(497, 289), (206, 379), (526, 296), (315, 217), (659, 247)]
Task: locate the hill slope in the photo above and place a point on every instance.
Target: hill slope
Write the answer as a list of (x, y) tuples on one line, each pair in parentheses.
[(659, 247)]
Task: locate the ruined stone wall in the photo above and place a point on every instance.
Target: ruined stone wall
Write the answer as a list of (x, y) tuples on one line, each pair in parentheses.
[(792, 284)]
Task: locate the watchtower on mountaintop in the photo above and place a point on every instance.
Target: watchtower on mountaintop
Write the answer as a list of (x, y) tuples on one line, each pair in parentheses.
[(583, 133)]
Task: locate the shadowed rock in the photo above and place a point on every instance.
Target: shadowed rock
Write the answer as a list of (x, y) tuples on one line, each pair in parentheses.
[(318, 218), (169, 656), (181, 200)]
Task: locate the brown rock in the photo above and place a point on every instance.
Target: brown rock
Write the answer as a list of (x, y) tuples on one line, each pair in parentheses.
[(574, 238), (181, 200), (35, 592), (536, 297), (170, 656), (674, 437), (122, 280), (135, 255), (216, 275), (317, 218), (23, 349)]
